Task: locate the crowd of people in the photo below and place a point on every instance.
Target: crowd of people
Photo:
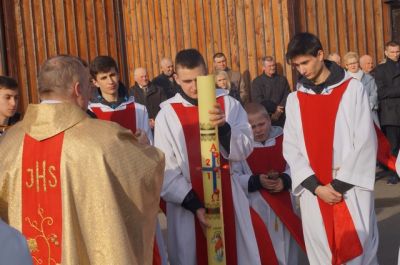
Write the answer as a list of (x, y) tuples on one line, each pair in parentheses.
[(84, 190)]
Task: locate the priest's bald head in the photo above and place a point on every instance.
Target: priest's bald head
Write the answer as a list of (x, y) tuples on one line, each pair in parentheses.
[(65, 78)]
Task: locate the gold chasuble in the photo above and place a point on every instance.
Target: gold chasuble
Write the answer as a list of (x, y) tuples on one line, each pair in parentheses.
[(81, 190)]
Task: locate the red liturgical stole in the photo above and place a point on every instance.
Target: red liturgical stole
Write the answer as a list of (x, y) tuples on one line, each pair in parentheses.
[(41, 198)]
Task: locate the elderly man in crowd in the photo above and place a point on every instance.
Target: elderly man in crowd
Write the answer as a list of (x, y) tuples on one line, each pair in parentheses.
[(166, 79), (146, 93), (367, 63), (334, 57)]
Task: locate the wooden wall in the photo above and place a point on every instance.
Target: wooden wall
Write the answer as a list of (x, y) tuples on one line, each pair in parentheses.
[(36, 30), (3, 69), (142, 32), (362, 26), (244, 30)]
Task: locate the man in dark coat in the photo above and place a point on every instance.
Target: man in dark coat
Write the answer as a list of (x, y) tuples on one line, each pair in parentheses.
[(271, 90), (166, 79), (147, 94), (387, 78)]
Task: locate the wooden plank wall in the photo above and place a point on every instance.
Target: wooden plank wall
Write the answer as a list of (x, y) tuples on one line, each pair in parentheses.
[(362, 26), (37, 30), (3, 68), (245, 30), (141, 32)]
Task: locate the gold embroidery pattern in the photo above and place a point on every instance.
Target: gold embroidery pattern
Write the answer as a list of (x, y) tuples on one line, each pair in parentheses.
[(48, 239)]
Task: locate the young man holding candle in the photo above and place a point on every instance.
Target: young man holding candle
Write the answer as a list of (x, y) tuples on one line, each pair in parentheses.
[(177, 134)]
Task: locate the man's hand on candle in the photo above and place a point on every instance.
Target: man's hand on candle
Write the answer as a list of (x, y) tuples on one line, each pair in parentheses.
[(201, 216), (217, 115)]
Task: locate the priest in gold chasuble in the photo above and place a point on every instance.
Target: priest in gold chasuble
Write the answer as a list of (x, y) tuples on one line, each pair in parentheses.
[(81, 190)]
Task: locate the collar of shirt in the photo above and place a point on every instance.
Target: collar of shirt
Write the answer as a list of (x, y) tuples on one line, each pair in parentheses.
[(50, 101)]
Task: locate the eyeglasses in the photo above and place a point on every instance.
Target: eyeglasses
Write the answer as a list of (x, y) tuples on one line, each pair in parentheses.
[(354, 63)]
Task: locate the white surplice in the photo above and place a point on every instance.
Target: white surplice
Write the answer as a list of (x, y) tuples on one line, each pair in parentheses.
[(169, 137), (285, 246), (354, 160)]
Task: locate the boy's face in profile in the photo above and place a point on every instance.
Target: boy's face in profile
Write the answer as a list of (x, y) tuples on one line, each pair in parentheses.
[(107, 82), (261, 125), (187, 78), (8, 102)]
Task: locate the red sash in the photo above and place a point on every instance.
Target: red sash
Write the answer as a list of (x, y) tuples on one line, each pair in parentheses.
[(126, 117), (156, 253), (42, 199), (384, 154), (261, 161), (318, 115), (264, 242), (189, 119)]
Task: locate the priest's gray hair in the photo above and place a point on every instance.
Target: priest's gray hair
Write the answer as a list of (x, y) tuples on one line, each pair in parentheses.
[(59, 73)]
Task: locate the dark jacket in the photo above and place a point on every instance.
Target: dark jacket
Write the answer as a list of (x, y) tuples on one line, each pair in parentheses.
[(170, 88), (151, 99), (11, 121), (271, 91), (275, 88), (387, 78)]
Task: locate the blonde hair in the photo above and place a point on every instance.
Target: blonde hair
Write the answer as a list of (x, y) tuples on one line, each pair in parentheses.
[(350, 55), (224, 74)]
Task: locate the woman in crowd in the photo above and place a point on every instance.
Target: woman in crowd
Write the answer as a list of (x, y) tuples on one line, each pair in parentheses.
[(222, 81), (352, 65)]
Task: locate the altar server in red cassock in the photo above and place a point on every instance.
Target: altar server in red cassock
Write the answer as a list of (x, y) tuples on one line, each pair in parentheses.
[(330, 145), (112, 103), (265, 178), (110, 100)]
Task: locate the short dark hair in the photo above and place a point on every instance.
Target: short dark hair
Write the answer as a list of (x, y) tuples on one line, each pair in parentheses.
[(391, 43), (219, 55), (303, 43), (102, 64), (190, 59), (8, 83)]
